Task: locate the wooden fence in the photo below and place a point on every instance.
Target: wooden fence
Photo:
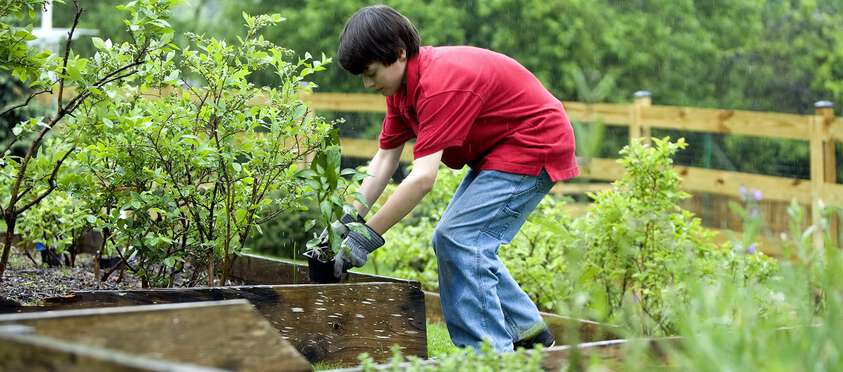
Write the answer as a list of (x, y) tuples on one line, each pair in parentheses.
[(821, 130)]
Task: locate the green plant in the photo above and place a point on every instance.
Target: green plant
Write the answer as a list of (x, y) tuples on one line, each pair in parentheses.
[(184, 179), (640, 247), (484, 359), (328, 188), (27, 180)]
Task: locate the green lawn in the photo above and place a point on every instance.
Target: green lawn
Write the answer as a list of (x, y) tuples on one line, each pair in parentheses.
[(438, 341)]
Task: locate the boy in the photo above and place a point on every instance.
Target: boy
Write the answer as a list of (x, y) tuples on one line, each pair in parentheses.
[(464, 106)]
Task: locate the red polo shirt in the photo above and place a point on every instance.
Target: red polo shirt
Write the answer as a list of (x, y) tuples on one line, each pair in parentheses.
[(483, 109)]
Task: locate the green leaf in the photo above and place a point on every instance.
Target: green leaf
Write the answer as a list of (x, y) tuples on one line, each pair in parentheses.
[(306, 173), (98, 43)]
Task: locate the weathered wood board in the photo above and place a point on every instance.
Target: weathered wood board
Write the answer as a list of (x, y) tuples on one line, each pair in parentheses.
[(562, 327), (25, 351), (229, 335), (562, 357), (610, 350), (324, 322), (254, 269)]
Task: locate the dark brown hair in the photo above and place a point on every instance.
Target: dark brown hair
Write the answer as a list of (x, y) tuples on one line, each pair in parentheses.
[(376, 33)]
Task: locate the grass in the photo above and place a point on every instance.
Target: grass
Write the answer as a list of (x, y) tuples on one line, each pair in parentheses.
[(438, 341)]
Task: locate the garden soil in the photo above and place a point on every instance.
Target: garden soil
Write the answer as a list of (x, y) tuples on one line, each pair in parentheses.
[(26, 283)]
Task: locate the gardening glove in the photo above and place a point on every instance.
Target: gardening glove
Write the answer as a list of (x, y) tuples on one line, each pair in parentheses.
[(355, 249)]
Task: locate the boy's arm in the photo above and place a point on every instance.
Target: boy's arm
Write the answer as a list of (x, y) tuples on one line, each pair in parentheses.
[(408, 194), (381, 169)]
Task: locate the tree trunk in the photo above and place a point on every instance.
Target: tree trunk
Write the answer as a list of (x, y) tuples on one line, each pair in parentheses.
[(7, 242), (211, 272)]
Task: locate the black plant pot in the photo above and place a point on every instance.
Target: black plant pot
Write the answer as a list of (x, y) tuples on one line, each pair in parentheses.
[(321, 272)]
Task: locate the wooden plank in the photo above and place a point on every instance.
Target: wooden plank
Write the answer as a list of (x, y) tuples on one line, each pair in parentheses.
[(728, 183), (326, 323), (254, 269), (579, 188), (346, 102), (748, 123), (769, 245), (30, 352), (230, 335), (365, 149), (835, 130), (601, 169), (832, 194), (560, 326), (561, 357), (694, 179), (607, 113)]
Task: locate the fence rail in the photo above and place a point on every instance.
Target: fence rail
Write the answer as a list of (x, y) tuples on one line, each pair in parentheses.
[(821, 130)]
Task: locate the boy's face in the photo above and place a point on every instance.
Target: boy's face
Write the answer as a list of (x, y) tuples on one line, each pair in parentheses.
[(386, 79)]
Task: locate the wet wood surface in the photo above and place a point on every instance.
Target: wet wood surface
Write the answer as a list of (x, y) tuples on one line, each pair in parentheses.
[(262, 270), (566, 330), (324, 322), (610, 352), (229, 335)]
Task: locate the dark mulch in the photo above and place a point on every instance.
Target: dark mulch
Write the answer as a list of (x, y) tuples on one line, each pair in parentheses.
[(25, 283)]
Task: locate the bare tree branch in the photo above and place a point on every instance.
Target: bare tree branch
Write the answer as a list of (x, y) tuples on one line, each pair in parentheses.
[(31, 96), (51, 182), (67, 49)]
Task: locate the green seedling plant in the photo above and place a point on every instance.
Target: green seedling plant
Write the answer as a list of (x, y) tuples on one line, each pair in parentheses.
[(330, 187), (640, 247), (26, 180), (190, 157)]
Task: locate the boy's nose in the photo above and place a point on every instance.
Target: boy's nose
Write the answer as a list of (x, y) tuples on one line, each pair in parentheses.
[(368, 83)]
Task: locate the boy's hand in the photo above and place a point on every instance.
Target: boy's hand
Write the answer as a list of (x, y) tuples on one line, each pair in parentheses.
[(339, 228), (356, 248)]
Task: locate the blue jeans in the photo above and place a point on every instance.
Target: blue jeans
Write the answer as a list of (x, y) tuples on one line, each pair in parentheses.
[(480, 300)]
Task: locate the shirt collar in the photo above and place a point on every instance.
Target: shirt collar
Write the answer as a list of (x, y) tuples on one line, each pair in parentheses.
[(412, 79)]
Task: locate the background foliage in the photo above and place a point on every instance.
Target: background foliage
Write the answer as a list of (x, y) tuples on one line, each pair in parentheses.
[(750, 54)]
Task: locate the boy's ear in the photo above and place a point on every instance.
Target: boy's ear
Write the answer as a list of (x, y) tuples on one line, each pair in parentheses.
[(402, 54)]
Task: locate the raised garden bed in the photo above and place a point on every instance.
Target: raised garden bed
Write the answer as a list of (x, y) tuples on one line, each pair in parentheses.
[(331, 323), (227, 335)]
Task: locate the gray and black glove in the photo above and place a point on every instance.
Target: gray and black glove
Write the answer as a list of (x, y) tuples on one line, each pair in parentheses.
[(356, 247)]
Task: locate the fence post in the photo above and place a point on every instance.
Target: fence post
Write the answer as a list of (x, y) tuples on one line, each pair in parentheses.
[(637, 129), (823, 166)]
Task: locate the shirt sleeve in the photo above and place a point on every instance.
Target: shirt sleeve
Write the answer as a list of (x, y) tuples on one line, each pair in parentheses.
[(394, 132), (445, 120)]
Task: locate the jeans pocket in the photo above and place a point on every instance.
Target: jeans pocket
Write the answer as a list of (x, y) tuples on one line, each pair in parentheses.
[(501, 223)]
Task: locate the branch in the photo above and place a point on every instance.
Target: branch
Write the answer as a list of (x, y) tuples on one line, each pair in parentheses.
[(31, 96), (52, 183), (67, 48)]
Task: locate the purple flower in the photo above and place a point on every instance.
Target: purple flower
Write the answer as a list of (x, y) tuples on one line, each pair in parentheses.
[(742, 191), (752, 249), (756, 194)]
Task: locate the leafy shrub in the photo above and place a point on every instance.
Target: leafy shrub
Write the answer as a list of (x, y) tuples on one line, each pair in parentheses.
[(183, 180), (640, 246), (789, 322)]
